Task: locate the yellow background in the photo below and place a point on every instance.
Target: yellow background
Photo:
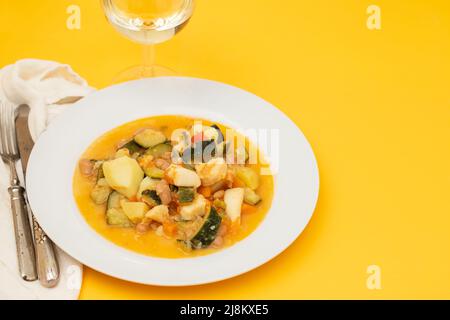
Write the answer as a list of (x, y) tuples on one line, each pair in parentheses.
[(375, 106)]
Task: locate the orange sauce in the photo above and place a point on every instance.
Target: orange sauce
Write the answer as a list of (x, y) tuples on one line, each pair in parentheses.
[(150, 243)]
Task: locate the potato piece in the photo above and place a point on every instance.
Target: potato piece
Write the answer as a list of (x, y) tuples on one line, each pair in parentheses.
[(159, 213), (135, 211), (194, 209), (212, 172), (149, 138), (182, 177), (248, 176), (123, 175), (233, 200), (251, 197)]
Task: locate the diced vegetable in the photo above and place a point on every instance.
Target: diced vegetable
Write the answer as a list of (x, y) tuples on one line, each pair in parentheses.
[(212, 172), (233, 200), (116, 217), (185, 194), (208, 231), (251, 197), (159, 150), (147, 184), (153, 172), (205, 191), (151, 198), (182, 177), (219, 204), (169, 228), (196, 208), (114, 213), (114, 200), (135, 211), (132, 147), (182, 140), (101, 191), (159, 213), (149, 138), (98, 166), (122, 153), (201, 151), (218, 186), (248, 176), (123, 175)]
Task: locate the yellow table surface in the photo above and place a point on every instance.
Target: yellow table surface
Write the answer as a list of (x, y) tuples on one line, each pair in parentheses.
[(375, 105)]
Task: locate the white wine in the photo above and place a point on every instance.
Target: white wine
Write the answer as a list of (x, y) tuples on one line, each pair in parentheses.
[(148, 21)]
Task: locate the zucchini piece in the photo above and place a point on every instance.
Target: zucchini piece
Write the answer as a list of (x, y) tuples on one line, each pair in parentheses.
[(208, 231), (159, 150), (114, 213), (248, 176), (100, 192), (251, 197), (132, 146), (201, 151), (154, 172), (185, 194), (147, 184), (149, 138), (151, 198), (116, 217), (98, 166), (114, 200)]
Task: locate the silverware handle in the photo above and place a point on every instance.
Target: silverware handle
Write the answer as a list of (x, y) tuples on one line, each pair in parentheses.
[(46, 262), (24, 241)]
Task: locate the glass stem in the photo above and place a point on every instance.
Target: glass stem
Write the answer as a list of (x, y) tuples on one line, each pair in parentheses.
[(149, 55)]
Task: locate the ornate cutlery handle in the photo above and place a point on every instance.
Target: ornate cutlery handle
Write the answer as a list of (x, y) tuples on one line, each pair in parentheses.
[(46, 263), (24, 241)]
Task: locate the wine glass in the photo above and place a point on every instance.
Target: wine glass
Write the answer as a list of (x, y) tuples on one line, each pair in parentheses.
[(147, 22)]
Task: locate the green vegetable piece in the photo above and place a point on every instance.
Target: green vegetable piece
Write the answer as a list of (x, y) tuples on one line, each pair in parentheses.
[(132, 146), (116, 217), (185, 194), (159, 150), (208, 231), (100, 192), (154, 172), (149, 138), (151, 198)]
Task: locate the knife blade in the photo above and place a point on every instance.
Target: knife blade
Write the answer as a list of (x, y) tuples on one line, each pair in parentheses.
[(46, 262)]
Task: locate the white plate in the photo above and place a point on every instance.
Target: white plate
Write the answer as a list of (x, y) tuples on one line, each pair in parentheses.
[(55, 155)]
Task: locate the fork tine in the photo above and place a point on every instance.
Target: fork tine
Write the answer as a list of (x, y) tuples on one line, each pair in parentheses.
[(8, 144), (5, 125), (12, 131)]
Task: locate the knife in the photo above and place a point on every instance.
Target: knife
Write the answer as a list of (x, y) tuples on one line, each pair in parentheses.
[(46, 262)]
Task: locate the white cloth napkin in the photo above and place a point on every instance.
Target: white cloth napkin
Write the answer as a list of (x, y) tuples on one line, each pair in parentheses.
[(48, 88)]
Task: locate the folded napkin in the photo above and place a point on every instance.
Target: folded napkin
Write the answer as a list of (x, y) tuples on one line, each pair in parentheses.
[(48, 88)]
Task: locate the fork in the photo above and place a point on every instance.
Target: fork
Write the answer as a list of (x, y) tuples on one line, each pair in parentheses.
[(10, 154)]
